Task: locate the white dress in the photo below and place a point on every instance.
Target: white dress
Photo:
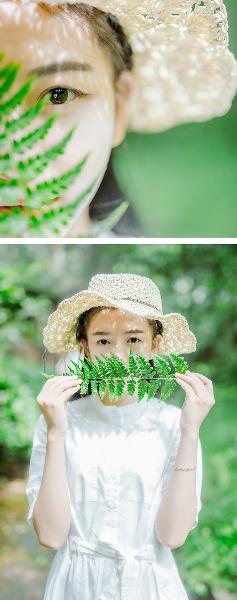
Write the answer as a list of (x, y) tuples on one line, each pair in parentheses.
[(119, 460)]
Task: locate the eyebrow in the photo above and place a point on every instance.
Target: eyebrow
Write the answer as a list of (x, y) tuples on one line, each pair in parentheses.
[(60, 67), (109, 333)]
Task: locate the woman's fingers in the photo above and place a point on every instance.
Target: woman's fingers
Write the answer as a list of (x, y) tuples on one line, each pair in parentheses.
[(64, 383), (185, 385), (67, 393), (197, 385), (207, 382)]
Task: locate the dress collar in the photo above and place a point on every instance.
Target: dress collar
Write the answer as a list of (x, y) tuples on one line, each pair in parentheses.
[(126, 413)]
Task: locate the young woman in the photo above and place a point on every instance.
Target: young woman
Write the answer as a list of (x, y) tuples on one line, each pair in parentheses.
[(112, 67), (113, 487)]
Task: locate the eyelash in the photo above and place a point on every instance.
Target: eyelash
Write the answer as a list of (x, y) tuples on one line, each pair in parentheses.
[(61, 89), (104, 340)]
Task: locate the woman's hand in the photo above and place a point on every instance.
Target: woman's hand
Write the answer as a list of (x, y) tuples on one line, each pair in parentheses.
[(53, 398), (199, 399)]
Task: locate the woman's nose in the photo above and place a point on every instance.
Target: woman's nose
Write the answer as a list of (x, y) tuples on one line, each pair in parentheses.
[(121, 353)]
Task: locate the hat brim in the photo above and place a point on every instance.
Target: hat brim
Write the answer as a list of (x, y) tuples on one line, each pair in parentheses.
[(59, 335), (183, 69)]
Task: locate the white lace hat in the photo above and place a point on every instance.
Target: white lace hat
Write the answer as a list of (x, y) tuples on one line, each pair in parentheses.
[(136, 294), (183, 68)]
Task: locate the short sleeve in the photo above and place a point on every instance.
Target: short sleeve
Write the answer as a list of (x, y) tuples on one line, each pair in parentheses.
[(36, 466), (170, 464)]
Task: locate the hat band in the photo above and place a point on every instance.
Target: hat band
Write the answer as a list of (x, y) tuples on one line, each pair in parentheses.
[(140, 302)]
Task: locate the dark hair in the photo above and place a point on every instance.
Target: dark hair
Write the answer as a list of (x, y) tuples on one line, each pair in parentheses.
[(106, 199), (106, 27), (81, 335)]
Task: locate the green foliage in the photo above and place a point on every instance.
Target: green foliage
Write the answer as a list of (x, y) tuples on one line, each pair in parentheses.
[(110, 373), (208, 559), (27, 207)]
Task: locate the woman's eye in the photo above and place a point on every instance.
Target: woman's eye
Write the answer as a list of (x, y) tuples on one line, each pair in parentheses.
[(102, 342), (134, 340), (61, 95)]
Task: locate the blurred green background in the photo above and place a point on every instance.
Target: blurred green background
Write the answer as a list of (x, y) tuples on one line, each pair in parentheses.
[(183, 182), (197, 280)]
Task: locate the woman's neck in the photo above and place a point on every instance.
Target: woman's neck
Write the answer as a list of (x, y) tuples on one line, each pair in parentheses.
[(124, 400)]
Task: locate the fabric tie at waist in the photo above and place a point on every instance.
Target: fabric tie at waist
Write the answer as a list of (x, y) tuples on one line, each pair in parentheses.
[(128, 564)]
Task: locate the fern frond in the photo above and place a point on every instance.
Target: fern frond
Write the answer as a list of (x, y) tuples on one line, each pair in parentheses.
[(178, 362), (46, 192), (25, 119), (57, 219), (10, 76), (34, 166), (161, 365), (168, 388), (27, 142), (34, 213), (17, 98), (110, 373)]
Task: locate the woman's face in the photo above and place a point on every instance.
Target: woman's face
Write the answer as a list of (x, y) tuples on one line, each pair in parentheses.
[(118, 331), (78, 73)]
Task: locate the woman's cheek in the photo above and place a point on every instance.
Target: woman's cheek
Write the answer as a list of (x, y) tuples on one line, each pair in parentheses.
[(94, 123), (94, 134)]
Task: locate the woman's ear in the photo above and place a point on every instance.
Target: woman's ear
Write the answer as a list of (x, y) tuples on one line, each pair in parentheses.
[(123, 89), (156, 342)]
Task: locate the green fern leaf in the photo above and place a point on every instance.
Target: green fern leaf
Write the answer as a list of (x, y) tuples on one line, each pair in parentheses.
[(46, 192), (133, 364), (120, 385), (102, 368), (86, 372), (153, 386), (131, 387), (102, 387), (106, 368), (168, 388), (56, 220), (70, 371), (34, 166), (10, 76), (25, 119), (94, 387), (17, 98), (27, 142), (142, 389), (117, 366), (47, 375), (92, 367), (178, 363), (144, 366), (84, 386), (161, 365), (10, 191), (111, 389), (77, 369)]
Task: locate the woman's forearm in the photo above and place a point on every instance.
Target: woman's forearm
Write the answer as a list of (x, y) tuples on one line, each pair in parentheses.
[(177, 511), (52, 514)]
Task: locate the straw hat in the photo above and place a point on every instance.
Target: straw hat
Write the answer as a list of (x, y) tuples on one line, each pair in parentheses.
[(183, 69), (133, 293)]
